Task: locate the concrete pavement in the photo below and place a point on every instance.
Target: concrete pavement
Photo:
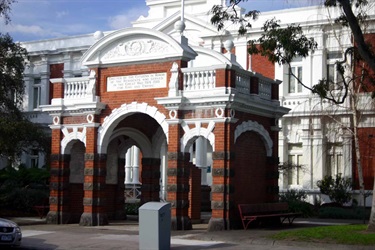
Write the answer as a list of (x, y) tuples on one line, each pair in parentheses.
[(124, 235)]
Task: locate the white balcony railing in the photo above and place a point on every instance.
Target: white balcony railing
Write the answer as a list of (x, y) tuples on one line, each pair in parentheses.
[(196, 79), (80, 88), (76, 88)]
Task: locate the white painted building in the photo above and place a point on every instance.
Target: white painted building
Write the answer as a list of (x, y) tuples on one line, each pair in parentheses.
[(308, 135)]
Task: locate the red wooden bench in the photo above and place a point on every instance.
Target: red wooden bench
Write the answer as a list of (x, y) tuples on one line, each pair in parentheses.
[(42, 209), (251, 212)]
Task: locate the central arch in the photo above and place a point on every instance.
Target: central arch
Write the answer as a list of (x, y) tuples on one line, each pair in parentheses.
[(111, 121)]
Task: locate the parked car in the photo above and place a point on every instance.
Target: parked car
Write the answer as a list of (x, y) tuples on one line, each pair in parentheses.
[(10, 233)]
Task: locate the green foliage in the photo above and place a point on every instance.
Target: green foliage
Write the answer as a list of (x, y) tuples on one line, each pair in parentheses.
[(5, 9), (17, 132), (20, 135), (293, 195), (132, 208), (23, 188), (282, 44), (296, 202), (221, 14), (12, 65), (338, 189), (343, 234)]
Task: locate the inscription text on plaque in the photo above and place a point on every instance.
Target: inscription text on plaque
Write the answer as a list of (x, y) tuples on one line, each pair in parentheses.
[(133, 82)]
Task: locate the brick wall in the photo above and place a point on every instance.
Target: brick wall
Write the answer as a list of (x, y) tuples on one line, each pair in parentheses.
[(262, 65), (56, 71), (367, 149), (366, 135), (117, 98)]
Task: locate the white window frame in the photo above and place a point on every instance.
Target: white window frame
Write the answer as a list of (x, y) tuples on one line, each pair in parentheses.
[(332, 58), (334, 160), (295, 176), (297, 68), (37, 93)]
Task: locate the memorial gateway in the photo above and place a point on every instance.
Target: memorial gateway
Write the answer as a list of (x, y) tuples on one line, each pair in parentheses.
[(173, 110)]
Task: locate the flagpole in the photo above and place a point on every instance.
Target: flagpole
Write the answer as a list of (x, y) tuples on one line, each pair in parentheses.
[(182, 10)]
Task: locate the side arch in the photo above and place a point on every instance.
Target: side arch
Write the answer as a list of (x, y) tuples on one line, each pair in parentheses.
[(70, 136), (111, 121), (258, 128), (207, 133)]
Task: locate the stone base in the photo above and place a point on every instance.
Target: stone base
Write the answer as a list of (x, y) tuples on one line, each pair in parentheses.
[(54, 217), (181, 223), (93, 219), (217, 225), (206, 199)]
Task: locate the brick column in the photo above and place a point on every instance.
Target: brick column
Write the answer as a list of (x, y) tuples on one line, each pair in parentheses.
[(222, 172), (221, 191), (195, 194), (150, 179), (94, 201), (59, 181), (59, 190), (178, 189), (120, 212)]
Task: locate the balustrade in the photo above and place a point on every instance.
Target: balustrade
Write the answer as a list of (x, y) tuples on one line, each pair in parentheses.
[(75, 89), (265, 89), (199, 79), (242, 83), (243, 79)]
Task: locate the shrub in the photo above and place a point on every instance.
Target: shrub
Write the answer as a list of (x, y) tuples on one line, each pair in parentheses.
[(356, 213), (293, 195), (132, 208), (296, 202), (23, 188), (338, 189)]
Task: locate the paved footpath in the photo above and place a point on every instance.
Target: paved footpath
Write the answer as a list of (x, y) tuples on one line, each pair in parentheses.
[(124, 235)]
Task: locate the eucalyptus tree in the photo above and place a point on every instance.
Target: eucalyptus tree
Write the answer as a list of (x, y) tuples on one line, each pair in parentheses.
[(17, 133)]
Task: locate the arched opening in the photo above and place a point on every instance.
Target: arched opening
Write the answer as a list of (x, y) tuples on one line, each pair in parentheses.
[(76, 180), (250, 169), (200, 180), (134, 165)]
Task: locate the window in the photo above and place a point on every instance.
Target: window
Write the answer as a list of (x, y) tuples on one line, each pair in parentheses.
[(294, 86), (34, 158), (333, 75), (37, 93), (334, 160), (295, 75), (295, 158)]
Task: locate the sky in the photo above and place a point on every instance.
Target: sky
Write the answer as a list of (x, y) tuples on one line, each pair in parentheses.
[(45, 19)]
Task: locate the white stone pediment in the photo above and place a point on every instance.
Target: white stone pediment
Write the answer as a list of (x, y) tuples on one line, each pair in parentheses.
[(127, 48), (135, 45)]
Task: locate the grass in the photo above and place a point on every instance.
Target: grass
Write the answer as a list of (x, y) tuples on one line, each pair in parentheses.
[(343, 234)]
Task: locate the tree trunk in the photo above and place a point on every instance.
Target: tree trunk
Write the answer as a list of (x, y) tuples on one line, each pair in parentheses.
[(356, 146), (363, 49), (371, 223)]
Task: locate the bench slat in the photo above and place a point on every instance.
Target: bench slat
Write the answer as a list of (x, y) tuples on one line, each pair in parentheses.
[(251, 212)]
